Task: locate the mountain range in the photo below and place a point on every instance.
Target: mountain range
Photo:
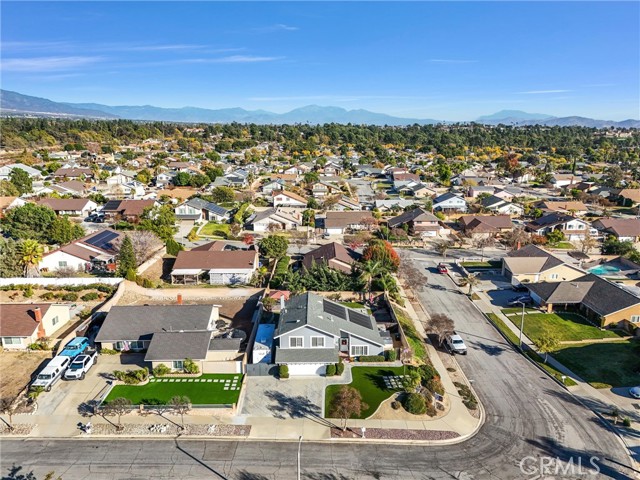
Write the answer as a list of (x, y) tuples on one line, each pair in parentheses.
[(17, 104)]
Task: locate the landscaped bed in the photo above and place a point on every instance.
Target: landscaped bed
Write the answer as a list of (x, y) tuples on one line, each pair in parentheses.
[(564, 326), (604, 365), (207, 389), (369, 381)]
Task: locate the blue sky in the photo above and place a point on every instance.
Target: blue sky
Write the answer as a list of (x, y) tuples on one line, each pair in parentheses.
[(448, 61)]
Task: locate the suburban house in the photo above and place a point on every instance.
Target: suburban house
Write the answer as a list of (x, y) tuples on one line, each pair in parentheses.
[(573, 228), (334, 255), (475, 191), (69, 206), (313, 332), (560, 180), (288, 199), (200, 210), (5, 171), (22, 324), (346, 203), (419, 222), (269, 187), (172, 333), (624, 229), (417, 190), (393, 204), (283, 220), (485, 225), (73, 172), (603, 302), (338, 223), (130, 210), (571, 207), (448, 202), (532, 264), (499, 205), (223, 267), (95, 252), (629, 196), (324, 189), (7, 203)]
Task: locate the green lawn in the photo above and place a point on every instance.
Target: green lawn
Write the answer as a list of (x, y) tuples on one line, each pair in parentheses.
[(489, 264), (160, 390), (604, 365), (565, 326), (370, 382), (353, 304), (509, 311), (215, 229), (563, 245), (506, 331)]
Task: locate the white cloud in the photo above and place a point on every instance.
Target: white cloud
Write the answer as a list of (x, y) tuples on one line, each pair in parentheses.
[(46, 64), (542, 92), (278, 27), (451, 61), (232, 59)]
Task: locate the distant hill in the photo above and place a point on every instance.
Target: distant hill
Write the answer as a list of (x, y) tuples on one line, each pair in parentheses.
[(17, 104)]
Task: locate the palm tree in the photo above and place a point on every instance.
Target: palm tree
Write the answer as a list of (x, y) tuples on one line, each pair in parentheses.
[(30, 255), (472, 280), (368, 271)]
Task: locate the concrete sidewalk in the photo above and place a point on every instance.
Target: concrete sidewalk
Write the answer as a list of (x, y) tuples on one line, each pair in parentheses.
[(589, 396)]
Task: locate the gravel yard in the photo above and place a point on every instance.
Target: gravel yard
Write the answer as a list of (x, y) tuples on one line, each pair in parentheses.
[(394, 434), (171, 429)]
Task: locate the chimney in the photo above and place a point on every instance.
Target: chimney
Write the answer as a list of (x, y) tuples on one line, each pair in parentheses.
[(519, 244), (282, 303), (37, 313), (179, 301)]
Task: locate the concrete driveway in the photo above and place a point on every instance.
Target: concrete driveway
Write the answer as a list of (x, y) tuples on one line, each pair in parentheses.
[(284, 399), (500, 298), (70, 397)]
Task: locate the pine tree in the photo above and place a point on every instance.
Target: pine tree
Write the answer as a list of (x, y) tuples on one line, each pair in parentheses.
[(126, 257)]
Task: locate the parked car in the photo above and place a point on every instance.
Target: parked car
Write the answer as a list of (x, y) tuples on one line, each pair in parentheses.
[(519, 288), (75, 347), (519, 300), (442, 268), (95, 218), (51, 373), (455, 344), (81, 365), (635, 392)]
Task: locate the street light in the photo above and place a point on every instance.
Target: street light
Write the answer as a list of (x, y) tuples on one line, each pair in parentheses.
[(521, 325), (299, 446)]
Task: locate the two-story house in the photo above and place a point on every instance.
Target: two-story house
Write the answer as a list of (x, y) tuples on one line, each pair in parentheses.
[(420, 222), (284, 198), (199, 210), (573, 228), (448, 202)]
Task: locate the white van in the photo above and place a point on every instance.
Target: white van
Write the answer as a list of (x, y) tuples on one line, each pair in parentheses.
[(52, 372)]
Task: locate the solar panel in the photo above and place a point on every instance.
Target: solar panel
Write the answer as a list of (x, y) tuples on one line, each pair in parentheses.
[(102, 240), (112, 205), (334, 309), (359, 319)]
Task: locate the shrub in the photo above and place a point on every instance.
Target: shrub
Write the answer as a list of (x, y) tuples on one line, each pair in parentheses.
[(331, 370), (626, 422), (190, 366), (103, 288), (468, 398), (84, 314), (427, 372), (283, 371), (108, 351), (87, 297), (34, 392), (339, 368), (434, 385), (147, 283), (371, 358), (132, 377), (415, 404), (395, 405), (431, 409), (70, 297), (161, 370), (392, 355), (47, 296), (28, 291)]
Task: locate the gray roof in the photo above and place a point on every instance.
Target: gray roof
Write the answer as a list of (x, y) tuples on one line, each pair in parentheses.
[(532, 251), (141, 322), (197, 202), (178, 346), (225, 344), (323, 314), (306, 355)]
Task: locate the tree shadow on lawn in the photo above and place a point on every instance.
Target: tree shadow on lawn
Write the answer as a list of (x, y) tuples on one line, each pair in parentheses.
[(378, 379), (295, 407)]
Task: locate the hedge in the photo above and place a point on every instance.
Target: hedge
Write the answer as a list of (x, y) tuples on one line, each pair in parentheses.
[(371, 358)]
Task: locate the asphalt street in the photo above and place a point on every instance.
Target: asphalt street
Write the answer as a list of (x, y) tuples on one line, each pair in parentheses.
[(531, 422)]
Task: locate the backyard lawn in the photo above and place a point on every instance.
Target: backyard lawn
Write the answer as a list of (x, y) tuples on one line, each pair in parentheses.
[(207, 389), (565, 326), (215, 229), (370, 382), (604, 365)]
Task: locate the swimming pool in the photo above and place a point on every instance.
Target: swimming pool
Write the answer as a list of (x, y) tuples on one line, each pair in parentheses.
[(604, 270)]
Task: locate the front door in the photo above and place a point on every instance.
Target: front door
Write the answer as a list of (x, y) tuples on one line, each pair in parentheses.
[(344, 345)]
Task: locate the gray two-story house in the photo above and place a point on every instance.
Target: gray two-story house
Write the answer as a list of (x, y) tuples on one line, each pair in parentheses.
[(314, 332)]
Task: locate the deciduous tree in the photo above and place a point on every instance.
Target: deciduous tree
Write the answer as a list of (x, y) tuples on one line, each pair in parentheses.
[(347, 403)]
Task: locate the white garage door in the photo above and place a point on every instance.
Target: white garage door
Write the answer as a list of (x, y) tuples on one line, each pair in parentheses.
[(307, 369)]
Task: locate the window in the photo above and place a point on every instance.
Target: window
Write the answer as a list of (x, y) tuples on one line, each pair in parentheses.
[(54, 320), (62, 263), (178, 365), (12, 340), (357, 350), (635, 318), (137, 345), (295, 342), (118, 346), (317, 342), (580, 226), (553, 276)]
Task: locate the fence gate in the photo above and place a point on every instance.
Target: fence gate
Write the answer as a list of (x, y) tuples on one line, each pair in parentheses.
[(261, 369)]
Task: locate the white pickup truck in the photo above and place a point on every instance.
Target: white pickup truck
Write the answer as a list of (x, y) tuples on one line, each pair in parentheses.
[(51, 373), (455, 344), (81, 365)]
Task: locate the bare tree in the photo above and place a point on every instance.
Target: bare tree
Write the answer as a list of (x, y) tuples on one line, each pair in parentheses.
[(587, 243), (273, 227), (8, 407), (347, 403), (144, 242), (369, 223), (181, 405), (118, 407), (517, 237), (442, 246), (472, 280), (484, 242), (441, 325)]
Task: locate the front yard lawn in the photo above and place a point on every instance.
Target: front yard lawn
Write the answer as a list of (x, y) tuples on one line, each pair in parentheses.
[(369, 382), (563, 245), (604, 365), (565, 326), (488, 264), (207, 389), (215, 229)]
